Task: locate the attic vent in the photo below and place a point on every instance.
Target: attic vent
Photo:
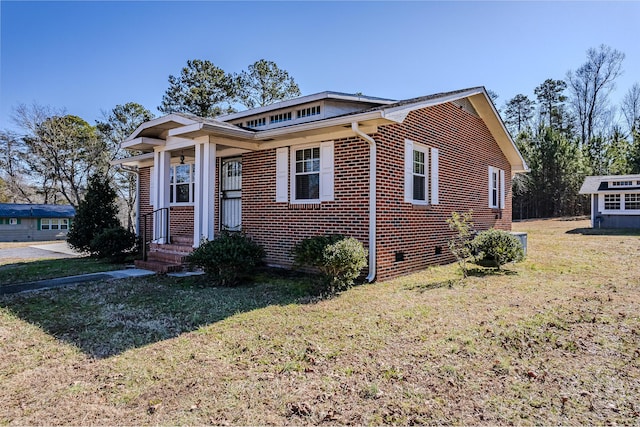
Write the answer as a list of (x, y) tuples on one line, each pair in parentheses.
[(256, 122), (466, 105)]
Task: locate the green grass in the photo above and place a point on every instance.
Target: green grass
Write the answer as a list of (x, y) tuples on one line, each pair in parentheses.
[(30, 271), (552, 340)]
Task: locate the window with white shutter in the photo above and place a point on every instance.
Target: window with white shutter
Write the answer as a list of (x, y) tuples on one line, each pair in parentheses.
[(312, 170), (421, 174)]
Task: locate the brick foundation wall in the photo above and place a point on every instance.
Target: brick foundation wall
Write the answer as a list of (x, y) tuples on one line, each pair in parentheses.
[(466, 149), (278, 226)]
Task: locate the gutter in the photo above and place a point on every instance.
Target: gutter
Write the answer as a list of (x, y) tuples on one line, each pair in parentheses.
[(372, 200)]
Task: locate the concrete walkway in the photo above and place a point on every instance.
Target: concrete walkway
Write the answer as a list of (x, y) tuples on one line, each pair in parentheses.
[(72, 280)]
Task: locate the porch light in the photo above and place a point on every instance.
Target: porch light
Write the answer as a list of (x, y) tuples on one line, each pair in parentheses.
[(182, 158)]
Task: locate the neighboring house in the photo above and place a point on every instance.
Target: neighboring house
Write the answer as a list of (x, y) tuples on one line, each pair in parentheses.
[(615, 200), (388, 173), (30, 222)]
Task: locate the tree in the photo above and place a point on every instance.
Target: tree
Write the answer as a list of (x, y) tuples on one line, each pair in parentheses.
[(201, 89), (13, 169), (518, 113), (264, 83), (60, 151), (590, 86), (631, 107), (95, 214), (551, 99), (117, 125)]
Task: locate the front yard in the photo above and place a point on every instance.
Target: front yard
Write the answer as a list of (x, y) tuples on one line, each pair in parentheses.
[(552, 340)]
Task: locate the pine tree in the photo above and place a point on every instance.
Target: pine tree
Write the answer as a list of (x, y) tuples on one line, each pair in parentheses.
[(96, 213)]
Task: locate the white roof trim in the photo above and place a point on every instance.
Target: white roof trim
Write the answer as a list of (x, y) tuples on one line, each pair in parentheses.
[(133, 160), (398, 114), (304, 100), (131, 143), (160, 120)]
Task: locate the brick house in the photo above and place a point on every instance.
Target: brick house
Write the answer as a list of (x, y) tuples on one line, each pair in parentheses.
[(388, 173)]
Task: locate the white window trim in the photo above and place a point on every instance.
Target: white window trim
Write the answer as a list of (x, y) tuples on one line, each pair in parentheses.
[(326, 173), (172, 187), (622, 210), (500, 184), (431, 173)]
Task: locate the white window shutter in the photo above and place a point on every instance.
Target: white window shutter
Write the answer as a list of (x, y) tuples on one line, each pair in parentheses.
[(282, 175), (152, 186), (502, 195), (326, 171), (435, 182), (408, 171)]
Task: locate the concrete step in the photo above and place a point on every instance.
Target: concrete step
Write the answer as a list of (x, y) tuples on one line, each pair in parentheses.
[(158, 266)]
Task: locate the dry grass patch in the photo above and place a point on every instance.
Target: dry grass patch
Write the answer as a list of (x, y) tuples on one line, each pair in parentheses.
[(553, 341)]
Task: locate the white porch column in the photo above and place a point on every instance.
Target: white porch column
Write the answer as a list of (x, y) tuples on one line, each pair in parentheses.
[(162, 163), (204, 197), (208, 189), (197, 195)]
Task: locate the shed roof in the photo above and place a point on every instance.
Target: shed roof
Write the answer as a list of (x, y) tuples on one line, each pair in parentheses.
[(597, 184), (24, 210)]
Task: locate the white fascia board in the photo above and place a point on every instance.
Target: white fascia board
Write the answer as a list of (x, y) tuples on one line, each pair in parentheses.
[(519, 165), (133, 160), (141, 141), (398, 114), (211, 128), (303, 127), (303, 100), (160, 120)]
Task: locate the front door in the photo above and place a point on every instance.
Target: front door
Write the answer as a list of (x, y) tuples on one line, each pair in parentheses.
[(231, 189)]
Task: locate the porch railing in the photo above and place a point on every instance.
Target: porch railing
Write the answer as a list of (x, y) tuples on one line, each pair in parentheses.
[(160, 230)]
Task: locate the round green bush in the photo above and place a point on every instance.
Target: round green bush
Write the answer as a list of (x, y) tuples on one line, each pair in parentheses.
[(114, 243), (228, 259), (495, 248), (340, 259)]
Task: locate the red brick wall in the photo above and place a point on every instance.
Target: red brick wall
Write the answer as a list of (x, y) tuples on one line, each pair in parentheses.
[(466, 149), (278, 226)]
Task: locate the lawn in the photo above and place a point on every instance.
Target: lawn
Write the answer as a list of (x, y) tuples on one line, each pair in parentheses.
[(552, 340)]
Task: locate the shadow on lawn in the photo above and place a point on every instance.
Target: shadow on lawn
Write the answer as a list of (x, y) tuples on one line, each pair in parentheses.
[(107, 318), (605, 231)]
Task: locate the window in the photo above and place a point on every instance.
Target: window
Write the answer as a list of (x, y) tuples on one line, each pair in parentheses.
[(632, 201), (306, 112), (311, 170), (54, 224), (307, 174), (612, 201), (282, 117), (496, 188), (621, 183), (420, 174), (13, 221), (419, 177), (181, 183), (256, 122)]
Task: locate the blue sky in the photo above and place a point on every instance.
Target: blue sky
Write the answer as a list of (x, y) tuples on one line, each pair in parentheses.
[(90, 56)]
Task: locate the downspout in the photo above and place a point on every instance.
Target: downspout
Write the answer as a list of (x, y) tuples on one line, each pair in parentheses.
[(137, 172), (372, 200)]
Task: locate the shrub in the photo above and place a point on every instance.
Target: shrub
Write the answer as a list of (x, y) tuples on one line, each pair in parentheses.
[(229, 258), (114, 244), (496, 248), (460, 244), (339, 259), (96, 213)]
